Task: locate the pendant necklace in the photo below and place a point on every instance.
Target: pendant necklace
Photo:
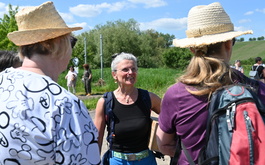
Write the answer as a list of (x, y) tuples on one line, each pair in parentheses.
[(128, 97)]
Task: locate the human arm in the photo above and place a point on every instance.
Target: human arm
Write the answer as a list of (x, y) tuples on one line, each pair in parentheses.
[(100, 121), (166, 142), (242, 70), (156, 102), (90, 75)]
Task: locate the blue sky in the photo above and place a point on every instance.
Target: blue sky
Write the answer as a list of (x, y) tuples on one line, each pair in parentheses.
[(166, 16)]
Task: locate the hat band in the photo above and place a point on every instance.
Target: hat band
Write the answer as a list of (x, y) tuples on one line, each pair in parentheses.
[(215, 29)]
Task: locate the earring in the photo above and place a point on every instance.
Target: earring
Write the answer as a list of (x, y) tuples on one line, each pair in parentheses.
[(115, 81)]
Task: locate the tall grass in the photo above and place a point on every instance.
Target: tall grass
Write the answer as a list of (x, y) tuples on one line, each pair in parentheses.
[(155, 80)]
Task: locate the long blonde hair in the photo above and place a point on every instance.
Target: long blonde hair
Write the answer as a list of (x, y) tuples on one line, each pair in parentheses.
[(205, 72)]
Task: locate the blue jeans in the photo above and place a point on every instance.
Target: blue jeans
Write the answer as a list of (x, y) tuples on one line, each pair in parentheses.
[(150, 160)]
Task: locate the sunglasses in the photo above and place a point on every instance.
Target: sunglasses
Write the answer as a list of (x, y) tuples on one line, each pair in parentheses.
[(73, 41)]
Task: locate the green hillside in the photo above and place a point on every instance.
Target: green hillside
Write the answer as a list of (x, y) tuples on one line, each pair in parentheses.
[(246, 50)]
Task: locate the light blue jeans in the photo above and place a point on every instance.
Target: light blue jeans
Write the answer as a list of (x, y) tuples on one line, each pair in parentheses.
[(150, 160)]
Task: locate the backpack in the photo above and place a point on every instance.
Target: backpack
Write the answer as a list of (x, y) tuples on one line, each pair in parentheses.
[(253, 74), (235, 132), (110, 116)]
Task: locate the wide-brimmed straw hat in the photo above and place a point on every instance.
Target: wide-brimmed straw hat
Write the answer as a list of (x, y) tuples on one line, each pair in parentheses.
[(208, 24), (37, 24)]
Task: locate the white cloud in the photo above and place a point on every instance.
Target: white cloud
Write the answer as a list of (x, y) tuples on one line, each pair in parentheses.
[(86, 10), (249, 13), (240, 28), (150, 3), (244, 21), (67, 17), (83, 25), (118, 6), (261, 10), (95, 10), (165, 24)]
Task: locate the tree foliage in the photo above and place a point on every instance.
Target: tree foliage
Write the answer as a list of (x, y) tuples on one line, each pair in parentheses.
[(8, 24), (177, 58), (121, 36)]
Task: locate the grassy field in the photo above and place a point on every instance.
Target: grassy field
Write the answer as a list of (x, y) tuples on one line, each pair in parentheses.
[(156, 80), (247, 50)]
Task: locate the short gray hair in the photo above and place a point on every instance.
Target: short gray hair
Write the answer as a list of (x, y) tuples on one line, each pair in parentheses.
[(120, 57)]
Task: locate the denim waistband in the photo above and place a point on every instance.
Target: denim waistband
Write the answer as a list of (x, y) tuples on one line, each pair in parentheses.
[(131, 156)]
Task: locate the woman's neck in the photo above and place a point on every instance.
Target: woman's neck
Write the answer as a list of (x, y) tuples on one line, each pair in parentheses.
[(42, 66)]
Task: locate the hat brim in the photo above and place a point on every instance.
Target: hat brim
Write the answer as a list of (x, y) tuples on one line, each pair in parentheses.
[(28, 37), (208, 39)]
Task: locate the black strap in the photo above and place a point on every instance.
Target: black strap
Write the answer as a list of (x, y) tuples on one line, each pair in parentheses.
[(110, 117), (175, 159), (191, 162), (180, 146)]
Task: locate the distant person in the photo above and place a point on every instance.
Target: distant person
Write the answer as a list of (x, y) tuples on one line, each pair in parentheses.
[(132, 116), (9, 59), (184, 109), (41, 122), (87, 77), (238, 66), (71, 79), (258, 66)]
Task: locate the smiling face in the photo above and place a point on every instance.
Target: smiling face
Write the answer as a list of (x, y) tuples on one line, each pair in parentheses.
[(125, 73)]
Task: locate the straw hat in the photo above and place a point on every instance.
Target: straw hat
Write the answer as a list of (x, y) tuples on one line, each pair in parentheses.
[(37, 24), (208, 24)]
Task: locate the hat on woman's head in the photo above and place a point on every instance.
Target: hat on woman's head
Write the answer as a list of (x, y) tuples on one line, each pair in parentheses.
[(208, 24), (37, 24)]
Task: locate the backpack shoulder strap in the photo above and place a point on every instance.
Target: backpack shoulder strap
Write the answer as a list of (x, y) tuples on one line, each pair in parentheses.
[(109, 116), (257, 68)]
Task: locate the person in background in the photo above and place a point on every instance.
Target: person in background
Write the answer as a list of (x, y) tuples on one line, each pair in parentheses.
[(41, 122), (9, 59), (260, 68), (132, 118), (184, 111), (71, 79), (238, 66), (87, 77)]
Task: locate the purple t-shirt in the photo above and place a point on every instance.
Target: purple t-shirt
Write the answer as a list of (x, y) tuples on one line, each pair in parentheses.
[(186, 115)]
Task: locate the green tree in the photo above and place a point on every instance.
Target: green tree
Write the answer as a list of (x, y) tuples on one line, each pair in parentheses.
[(177, 58), (8, 24)]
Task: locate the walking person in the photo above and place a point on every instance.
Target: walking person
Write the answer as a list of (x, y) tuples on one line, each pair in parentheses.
[(87, 77), (210, 37), (238, 66), (71, 79), (132, 117), (41, 122), (258, 66)]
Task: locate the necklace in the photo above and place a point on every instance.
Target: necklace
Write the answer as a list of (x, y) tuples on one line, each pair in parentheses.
[(127, 97)]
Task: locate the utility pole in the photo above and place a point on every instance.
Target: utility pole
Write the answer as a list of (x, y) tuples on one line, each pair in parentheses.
[(85, 50), (101, 56)]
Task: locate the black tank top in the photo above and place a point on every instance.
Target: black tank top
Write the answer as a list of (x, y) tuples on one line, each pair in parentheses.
[(132, 126)]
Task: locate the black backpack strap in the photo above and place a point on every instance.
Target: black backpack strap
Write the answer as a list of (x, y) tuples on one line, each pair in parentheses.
[(175, 159), (180, 146), (109, 116)]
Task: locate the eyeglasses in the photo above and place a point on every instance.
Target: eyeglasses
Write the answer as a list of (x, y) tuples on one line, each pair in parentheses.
[(73, 41), (234, 41), (126, 70)]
